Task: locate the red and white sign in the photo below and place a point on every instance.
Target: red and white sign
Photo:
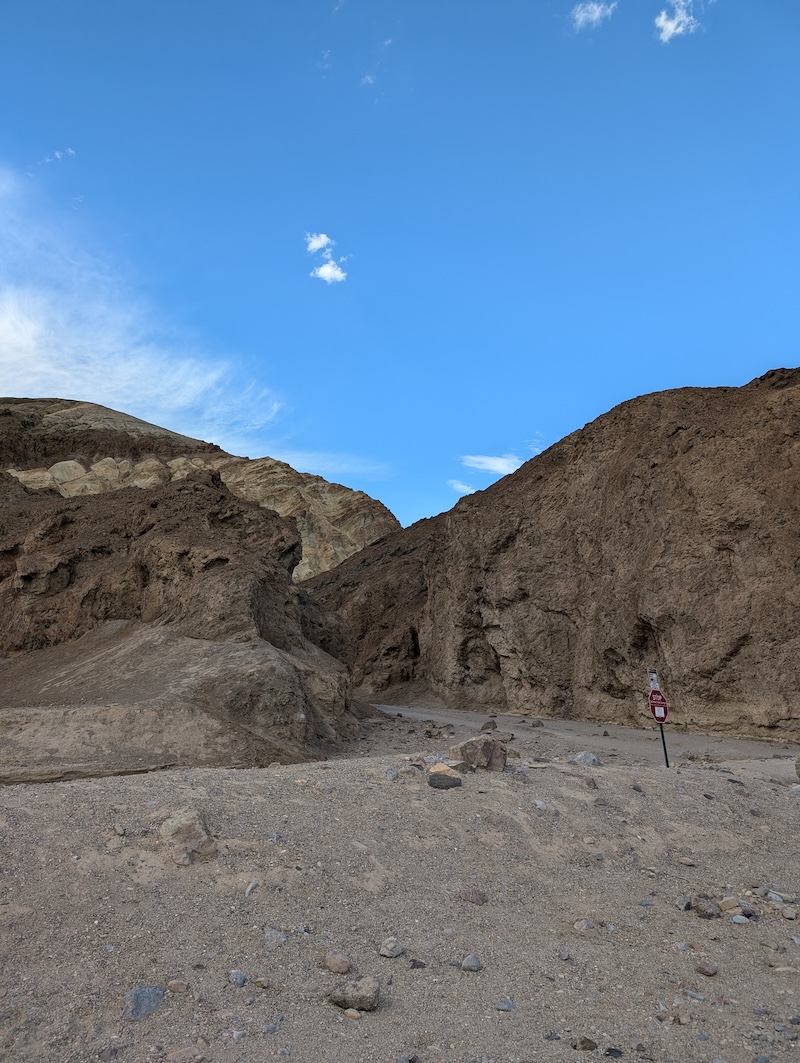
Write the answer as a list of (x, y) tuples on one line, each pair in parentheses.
[(658, 705)]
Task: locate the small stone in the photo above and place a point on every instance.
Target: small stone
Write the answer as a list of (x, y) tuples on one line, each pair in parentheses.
[(471, 963), (238, 1035), (584, 1044), (444, 780), (727, 904), (275, 937), (683, 903), (237, 978), (337, 962), (184, 1055), (647, 902), (504, 1004), (187, 830), (705, 908), (707, 969), (141, 1002), (788, 912), (352, 1013), (481, 751), (583, 924), (391, 948), (391, 773), (613, 1053), (687, 861), (741, 920), (589, 760), (565, 955), (472, 895), (490, 725), (363, 994)]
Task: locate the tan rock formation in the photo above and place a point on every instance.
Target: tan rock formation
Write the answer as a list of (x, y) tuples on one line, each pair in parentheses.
[(664, 534), (78, 448), (143, 629)]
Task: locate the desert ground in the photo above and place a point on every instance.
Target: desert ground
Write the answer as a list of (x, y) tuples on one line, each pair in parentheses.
[(558, 910)]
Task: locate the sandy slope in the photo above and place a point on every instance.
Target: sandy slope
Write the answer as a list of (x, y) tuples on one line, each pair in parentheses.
[(348, 852)]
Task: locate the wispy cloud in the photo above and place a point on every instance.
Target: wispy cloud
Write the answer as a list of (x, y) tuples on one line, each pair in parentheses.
[(331, 269), (72, 326), (677, 23), (589, 15), (368, 79), (461, 488), (500, 466)]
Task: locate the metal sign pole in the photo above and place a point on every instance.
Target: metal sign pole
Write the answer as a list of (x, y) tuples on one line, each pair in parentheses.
[(664, 744)]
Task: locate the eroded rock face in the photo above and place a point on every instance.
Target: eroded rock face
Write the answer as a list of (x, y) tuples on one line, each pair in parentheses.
[(79, 448), (154, 627), (664, 534)]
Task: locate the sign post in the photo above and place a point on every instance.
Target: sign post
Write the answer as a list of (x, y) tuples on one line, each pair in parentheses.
[(659, 708)]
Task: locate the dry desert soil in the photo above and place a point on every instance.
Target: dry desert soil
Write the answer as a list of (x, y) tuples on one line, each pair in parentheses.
[(618, 910)]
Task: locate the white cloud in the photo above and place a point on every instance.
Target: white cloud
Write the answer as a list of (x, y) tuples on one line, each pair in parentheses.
[(501, 466), (317, 241), (330, 272), (72, 326), (591, 14), (461, 488), (368, 79), (681, 21)]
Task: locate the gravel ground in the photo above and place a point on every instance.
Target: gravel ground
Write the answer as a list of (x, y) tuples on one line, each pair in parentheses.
[(562, 878)]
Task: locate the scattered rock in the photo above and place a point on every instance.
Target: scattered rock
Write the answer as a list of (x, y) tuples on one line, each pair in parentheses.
[(141, 1002), (443, 777), (504, 1004), (590, 760), (583, 924), (481, 751), (471, 963), (362, 994), (391, 948), (177, 985), (472, 895), (490, 725), (337, 962), (352, 1013), (237, 978), (705, 908), (187, 831), (706, 968), (584, 1044)]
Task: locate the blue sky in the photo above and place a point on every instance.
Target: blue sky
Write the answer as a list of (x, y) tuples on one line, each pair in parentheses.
[(404, 245)]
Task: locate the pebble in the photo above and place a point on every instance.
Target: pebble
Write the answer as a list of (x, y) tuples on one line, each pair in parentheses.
[(177, 985), (646, 902), (362, 994), (740, 920), (472, 895), (440, 780), (141, 1002), (391, 948), (338, 962), (583, 924), (237, 978), (471, 963), (275, 937), (352, 1013), (707, 969), (590, 760), (584, 1044), (504, 1004)]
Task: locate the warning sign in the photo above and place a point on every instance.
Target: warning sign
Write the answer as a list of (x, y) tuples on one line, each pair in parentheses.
[(658, 706)]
